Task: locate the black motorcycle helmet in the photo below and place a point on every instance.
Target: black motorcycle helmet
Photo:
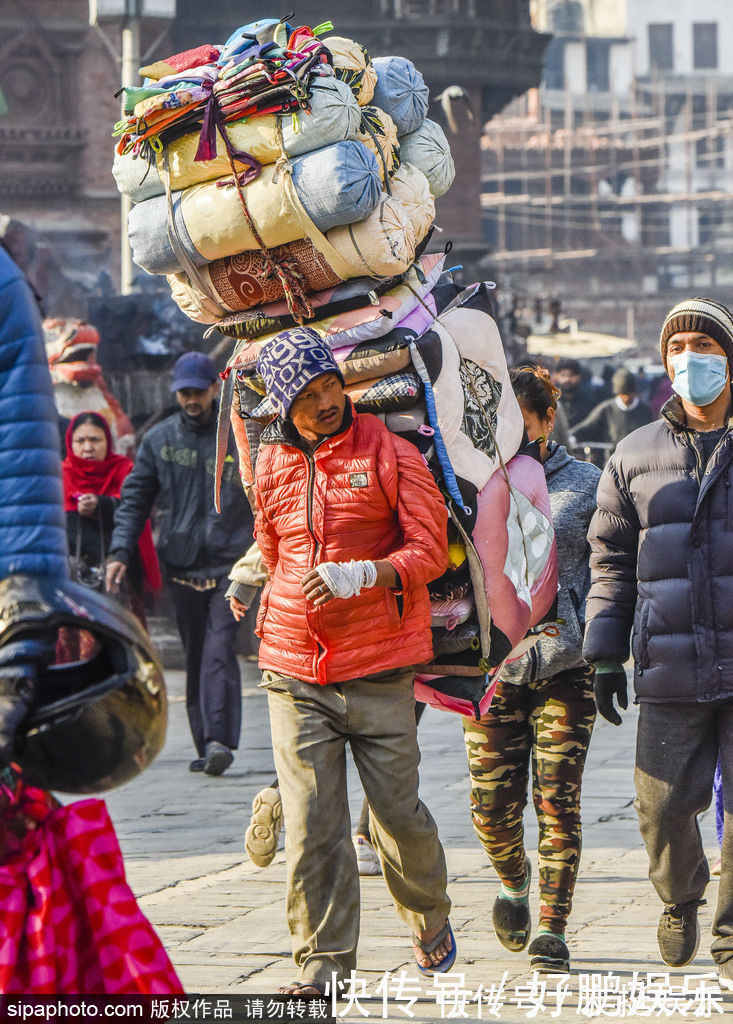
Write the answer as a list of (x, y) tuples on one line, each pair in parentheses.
[(92, 724)]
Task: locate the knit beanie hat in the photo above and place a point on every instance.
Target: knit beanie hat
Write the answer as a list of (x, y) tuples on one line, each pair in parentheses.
[(623, 382), (290, 361), (704, 316)]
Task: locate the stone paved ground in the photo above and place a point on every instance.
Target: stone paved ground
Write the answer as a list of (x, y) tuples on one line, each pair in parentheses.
[(222, 920)]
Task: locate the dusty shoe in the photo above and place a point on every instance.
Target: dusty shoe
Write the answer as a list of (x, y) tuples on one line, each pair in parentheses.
[(366, 857), (197, 765), (549, 954), (260, 839), (678, 933), (218, 758), (725, 976), (511, 918)]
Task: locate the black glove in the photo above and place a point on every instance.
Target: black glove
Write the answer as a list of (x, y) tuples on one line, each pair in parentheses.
[(610, 683)]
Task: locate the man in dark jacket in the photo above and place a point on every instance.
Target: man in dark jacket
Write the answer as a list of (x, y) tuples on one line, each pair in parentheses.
[(174, 470), (577, 396), (662, 562), (616, 417)]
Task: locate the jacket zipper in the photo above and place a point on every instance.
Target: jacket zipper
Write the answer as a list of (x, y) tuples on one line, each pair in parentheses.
[(309, 517)]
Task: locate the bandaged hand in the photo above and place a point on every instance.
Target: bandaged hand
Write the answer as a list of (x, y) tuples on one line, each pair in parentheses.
[(338, 579)]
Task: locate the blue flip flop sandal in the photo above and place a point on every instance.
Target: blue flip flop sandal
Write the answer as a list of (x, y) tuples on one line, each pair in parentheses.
[(427, 947)]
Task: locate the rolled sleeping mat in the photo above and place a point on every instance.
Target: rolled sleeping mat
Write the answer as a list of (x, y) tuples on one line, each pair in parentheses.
[(401, 92), (428, 149), (335, 117), (336, 185)]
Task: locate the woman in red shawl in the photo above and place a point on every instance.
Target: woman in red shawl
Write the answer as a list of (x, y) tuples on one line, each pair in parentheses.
[(92, 477)]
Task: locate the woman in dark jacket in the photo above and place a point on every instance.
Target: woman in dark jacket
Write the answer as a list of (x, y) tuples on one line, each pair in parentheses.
[(542, 711)]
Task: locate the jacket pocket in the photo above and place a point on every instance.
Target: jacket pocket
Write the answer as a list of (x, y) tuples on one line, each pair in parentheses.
[(262, 610), (640, 645), (394, 609), (180, 548)]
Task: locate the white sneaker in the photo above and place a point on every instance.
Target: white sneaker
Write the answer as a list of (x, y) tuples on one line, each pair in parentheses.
[(260, 839), (366, 857)]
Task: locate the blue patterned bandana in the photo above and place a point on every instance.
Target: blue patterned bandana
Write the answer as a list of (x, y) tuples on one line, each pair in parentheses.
[(290, 361)]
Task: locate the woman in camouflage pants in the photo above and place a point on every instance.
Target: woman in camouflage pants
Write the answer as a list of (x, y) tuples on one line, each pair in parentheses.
[(543, 711)]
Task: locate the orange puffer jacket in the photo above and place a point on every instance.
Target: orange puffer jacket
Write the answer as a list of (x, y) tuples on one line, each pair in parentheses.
[(363, 493)]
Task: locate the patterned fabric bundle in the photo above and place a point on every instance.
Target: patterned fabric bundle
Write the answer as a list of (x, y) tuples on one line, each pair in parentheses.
[(244, 280), (267, 76), (334, 116), (353, 65)]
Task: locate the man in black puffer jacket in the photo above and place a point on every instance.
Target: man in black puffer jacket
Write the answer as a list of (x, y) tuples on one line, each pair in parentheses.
[(662, 562), (174, 470)]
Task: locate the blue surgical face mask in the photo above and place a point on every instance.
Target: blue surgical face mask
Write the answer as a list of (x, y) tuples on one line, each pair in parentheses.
[(699, 379)]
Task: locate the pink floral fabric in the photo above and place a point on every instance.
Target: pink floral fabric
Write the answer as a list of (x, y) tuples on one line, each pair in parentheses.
[(71, 924)]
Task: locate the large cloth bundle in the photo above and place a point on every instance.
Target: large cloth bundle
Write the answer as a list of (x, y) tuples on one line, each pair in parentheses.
[(329, 230), (336, 185), (427, 148), (381, 245), (400, 91)]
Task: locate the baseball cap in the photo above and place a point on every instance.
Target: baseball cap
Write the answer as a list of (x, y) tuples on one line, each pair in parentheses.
[(193, 370)]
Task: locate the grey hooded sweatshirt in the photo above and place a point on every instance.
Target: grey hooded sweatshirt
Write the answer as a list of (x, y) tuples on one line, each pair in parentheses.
[(572, 487)]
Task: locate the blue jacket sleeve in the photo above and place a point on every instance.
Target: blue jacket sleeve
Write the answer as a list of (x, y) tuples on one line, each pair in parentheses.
[(32, 523)]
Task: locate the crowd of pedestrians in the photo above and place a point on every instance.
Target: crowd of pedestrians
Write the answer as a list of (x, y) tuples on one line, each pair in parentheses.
[(350, 528)]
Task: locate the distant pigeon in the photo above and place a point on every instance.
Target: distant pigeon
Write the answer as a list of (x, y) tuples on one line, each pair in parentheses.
[(447, 97)]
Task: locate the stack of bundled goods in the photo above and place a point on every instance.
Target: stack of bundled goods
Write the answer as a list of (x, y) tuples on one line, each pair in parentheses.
[(319, 212), (265, 169)]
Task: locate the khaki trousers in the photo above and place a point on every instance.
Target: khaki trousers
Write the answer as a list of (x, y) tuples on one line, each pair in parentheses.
[(311, 726)]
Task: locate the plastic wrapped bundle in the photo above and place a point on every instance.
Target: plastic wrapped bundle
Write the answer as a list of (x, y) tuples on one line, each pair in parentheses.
[(401, 92), (411, 189), (242, 281), (427, 148), (336, 185), (335, 117), (352, 65)]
